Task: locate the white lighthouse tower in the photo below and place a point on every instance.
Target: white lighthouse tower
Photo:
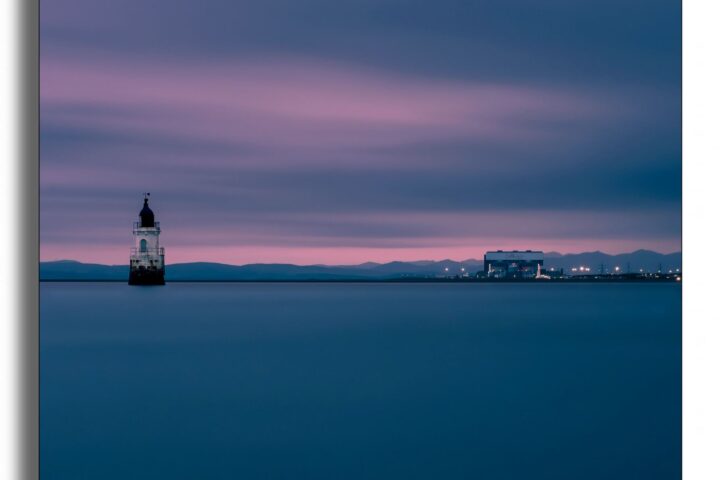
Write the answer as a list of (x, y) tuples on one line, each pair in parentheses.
[(147, 258)]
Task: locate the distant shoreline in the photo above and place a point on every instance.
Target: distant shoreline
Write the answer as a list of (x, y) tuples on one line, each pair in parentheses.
[(604, 279), (585, 267)]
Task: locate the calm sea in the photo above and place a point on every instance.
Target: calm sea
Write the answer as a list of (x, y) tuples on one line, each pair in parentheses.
[(360, 381)]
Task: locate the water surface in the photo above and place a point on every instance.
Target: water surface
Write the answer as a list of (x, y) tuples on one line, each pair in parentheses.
[(360, 381)]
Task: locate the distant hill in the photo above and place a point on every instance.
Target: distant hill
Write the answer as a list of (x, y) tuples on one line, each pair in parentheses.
[(70, 270)]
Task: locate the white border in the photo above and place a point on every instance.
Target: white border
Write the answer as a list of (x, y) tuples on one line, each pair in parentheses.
[(701, 234)]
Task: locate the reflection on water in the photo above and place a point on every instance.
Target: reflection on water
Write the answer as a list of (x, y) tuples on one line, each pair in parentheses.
[(355, 381)]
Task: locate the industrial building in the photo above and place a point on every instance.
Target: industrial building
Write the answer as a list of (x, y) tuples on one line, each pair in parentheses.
[(512, 264)]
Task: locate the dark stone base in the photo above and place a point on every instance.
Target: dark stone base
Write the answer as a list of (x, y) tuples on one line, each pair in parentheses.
[(147, 277)]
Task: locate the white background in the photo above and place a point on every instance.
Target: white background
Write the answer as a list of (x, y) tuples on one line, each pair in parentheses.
[(701, 238), (701, 234)]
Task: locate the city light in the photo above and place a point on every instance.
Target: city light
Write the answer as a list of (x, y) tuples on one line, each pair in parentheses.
[(525, 265)]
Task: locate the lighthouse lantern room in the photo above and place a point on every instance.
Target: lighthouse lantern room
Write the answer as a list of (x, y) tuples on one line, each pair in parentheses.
[(147, 258)]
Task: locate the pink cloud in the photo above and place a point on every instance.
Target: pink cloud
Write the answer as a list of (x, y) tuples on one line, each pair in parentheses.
[(443, 235), (301, 112), (296, 103), (118, 254)]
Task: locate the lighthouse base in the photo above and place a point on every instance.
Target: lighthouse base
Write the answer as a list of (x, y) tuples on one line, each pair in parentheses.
[(144, 276)]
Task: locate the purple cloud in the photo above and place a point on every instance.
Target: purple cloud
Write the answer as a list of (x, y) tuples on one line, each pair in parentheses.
[(311, 148)]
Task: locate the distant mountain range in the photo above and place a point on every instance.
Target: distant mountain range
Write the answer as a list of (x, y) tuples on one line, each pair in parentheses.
[(69, 270)]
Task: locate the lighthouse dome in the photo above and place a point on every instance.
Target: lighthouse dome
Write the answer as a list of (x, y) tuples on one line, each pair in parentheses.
[(147, 217)]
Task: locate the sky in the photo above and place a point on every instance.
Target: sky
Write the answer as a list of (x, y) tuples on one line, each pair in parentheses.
[(320, 131)]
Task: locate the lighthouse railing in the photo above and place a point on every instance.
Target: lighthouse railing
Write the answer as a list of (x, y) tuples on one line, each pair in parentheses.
[(137, 226), (149, 251)]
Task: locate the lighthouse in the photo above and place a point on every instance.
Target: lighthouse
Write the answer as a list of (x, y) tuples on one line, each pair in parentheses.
[(147, 257)]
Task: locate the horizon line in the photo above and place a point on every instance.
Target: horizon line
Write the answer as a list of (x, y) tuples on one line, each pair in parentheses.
[(368, 261)]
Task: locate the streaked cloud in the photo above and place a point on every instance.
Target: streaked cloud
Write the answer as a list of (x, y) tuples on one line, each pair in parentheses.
[(309, 137)]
